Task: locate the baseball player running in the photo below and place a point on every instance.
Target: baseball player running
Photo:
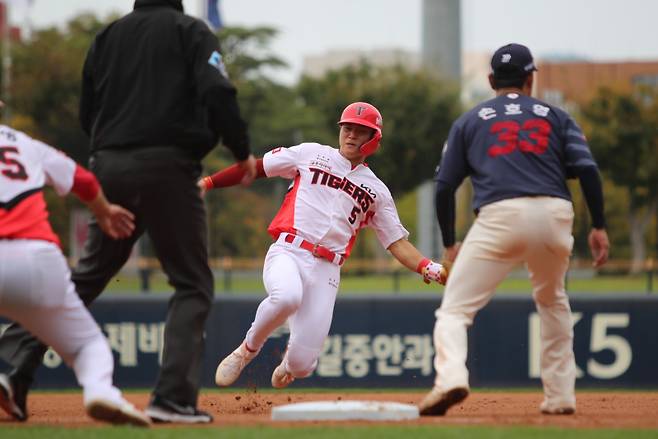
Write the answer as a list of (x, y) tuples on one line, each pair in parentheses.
[(35, 286), (519, 152), (333, 195)]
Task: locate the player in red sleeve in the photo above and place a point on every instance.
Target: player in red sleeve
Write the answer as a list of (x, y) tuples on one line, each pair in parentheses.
[(333, 195), (35, 286)]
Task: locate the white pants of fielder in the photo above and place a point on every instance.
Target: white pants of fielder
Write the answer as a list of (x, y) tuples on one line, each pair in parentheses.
[(36, 291), (301, 289), (537, 232)]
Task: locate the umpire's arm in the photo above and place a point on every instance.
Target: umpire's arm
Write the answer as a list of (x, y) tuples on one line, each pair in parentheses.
[(87, 93), (216, 91)]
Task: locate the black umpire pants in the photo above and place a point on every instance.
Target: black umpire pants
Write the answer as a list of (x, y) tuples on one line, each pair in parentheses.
[(158, 184)]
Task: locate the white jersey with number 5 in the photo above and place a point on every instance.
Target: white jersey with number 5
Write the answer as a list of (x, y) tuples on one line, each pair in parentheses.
[(35, 282), (329, 200), (26, 165)]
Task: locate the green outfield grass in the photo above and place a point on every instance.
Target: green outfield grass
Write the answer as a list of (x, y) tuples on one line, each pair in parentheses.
[(402, 284), (392, 431)]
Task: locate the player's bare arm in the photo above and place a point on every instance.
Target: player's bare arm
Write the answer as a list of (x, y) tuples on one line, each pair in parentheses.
[(450, 253), (413, 259), (599, 245), (114, 220)]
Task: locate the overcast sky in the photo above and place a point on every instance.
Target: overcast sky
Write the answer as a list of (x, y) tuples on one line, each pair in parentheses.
[(594, 29)]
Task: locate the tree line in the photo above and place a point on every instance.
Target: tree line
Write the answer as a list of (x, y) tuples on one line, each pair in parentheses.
[(418, 107)]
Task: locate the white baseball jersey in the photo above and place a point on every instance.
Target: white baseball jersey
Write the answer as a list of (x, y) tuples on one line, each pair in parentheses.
[(329, 200), (35, 282), (26, 165)]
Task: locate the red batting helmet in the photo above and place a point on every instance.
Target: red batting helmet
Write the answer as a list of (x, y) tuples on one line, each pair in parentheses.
[(363, 113)]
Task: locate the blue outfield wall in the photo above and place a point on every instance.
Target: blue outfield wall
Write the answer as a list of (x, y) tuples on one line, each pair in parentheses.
[(386, 342)]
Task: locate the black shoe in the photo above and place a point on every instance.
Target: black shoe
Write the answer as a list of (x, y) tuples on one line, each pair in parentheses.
[(13, 397), (164, 410), (437, 403)]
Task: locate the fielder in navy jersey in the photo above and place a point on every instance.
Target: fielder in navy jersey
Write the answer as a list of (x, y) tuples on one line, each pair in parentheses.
[(518, 152)]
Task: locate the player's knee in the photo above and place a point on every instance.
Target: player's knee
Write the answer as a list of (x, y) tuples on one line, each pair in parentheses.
[(288, 303), (550, 297), (301, 366), (454, 316)]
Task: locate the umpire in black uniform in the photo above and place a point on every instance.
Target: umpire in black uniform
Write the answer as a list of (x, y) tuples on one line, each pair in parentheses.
[(155, 100)]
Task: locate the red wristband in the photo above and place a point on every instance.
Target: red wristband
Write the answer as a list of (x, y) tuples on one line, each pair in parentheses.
[(207, 183), (422, 264)]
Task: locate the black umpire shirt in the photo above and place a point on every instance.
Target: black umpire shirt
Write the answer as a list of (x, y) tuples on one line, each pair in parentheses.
[(156, 77)]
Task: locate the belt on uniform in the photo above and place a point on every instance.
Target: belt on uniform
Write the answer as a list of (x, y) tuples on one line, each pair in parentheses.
[(316, 250)]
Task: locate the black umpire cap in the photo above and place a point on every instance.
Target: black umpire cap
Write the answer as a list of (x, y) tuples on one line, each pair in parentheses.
[(512, 61)]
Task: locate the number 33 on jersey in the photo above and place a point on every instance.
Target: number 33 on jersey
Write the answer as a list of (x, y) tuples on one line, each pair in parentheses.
[(514, 146)]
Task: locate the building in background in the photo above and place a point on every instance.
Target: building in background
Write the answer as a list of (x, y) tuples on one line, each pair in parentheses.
[(318, 64), (571, 84), (14, 32), (475, 83), (567, 84), (440, 47)]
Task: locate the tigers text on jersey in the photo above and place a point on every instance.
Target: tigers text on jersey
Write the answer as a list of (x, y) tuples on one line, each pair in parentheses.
[(26, 165), (329, 201), (514, 146)]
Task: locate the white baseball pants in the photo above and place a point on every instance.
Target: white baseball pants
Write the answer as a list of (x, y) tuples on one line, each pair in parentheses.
[(36, 291), (533, 230), (301, 289)]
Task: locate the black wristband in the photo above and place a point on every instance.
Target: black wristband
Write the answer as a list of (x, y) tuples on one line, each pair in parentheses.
[(590, 182), (445, 212)]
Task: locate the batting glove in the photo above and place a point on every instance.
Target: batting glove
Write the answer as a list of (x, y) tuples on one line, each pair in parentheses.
[(432, 271)]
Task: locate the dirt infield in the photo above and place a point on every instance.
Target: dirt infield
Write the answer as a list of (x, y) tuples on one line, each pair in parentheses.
[(248, 408)]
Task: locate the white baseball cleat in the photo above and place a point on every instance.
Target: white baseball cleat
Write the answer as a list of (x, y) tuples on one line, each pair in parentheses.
[(123, 413), (281, 377), (546, 409), (231, 367)]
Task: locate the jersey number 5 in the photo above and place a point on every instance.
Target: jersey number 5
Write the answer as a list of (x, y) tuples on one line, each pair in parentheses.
[(16, 170), (507, 132)]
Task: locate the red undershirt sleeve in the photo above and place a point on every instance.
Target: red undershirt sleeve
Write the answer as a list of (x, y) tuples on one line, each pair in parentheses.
[(233, 175), (85, 184)]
